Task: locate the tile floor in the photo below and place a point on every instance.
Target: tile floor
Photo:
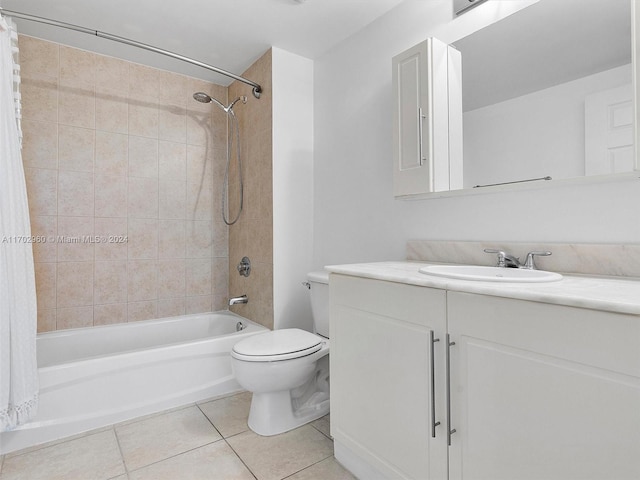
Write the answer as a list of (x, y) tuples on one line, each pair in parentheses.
[(209, 440)]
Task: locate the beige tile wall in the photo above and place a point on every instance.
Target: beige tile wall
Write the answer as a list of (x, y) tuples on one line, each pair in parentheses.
[(117, 149), (252, 235)]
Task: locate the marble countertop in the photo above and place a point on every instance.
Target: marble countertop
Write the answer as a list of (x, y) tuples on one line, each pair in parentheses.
[(612, 294)]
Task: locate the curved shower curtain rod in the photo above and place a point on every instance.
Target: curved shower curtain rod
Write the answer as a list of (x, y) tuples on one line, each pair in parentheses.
[(257, 89)]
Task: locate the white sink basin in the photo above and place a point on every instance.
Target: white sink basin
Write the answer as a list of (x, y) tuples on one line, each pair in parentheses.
[(490, 274)]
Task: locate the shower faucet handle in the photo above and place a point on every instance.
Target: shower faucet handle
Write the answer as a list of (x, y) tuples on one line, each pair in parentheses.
[(244, 267)]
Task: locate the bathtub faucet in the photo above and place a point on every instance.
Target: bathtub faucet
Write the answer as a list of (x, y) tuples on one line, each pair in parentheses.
[(237, 300)]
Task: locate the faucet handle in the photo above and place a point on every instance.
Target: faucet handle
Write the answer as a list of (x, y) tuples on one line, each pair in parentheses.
[(244, 267), (530, 263), (501, 255)]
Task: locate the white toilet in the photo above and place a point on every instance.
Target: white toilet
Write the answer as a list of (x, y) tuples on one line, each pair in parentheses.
[(288, 370)]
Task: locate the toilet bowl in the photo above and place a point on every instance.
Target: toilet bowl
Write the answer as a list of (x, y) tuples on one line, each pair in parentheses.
[(287, 370)]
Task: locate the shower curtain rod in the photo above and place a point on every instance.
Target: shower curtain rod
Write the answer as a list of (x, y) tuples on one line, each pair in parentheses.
[(257, 89)]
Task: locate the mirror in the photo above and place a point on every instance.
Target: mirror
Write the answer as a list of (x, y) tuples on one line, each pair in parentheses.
[(547, 92)]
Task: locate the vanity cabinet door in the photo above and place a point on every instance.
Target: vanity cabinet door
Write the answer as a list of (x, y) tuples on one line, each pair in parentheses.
[(381, 396), (542, 391)]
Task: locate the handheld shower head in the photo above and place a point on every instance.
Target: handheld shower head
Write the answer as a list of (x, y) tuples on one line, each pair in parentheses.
[(204, 98)]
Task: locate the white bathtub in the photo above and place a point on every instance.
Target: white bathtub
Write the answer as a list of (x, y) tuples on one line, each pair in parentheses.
[(92, 377)]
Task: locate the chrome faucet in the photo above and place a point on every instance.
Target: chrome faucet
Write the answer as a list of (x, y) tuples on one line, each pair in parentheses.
[(237, 300), (509, 261), (504, 259)]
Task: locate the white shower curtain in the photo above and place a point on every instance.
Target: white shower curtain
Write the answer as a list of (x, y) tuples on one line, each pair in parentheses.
[(18, 311)]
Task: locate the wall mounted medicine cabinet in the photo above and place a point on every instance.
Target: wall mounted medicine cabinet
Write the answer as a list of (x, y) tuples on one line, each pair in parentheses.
[(547, 95), (427, 119)]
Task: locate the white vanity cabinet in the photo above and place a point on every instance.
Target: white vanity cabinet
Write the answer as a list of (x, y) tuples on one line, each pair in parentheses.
[(533, 390), (381, 378), (427, 119), (542, 391)]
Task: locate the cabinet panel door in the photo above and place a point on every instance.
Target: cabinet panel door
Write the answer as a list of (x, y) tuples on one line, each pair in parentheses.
[(412, 119), (380, 376), (427, 119), (525, 408)]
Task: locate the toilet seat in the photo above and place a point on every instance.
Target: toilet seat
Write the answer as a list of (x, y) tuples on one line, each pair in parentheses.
[(277, 345)]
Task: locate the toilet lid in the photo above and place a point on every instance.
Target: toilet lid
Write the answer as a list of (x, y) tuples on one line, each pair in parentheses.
[(277, 345)]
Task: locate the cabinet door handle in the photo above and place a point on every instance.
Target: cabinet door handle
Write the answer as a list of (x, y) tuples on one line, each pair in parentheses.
[(450, 431), (434, 424), (421, 117)]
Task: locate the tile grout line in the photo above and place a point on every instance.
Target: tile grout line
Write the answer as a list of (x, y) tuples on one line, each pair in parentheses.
[(145, 417), (328, 436), (241, 459), (308, 466), (172, 456), (56, 442), (209, 420), (113, 426), (148, 416), (225, 441), (124, 464), (179, 453)]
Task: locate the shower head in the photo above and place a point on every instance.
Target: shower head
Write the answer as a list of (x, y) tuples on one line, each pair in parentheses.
[(204, 98)]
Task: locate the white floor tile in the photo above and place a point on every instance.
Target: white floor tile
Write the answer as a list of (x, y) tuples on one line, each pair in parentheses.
[(159, 437), (182, 444), (229, 415), (328, 469), (273, 458), (213, 461), (94, 456)]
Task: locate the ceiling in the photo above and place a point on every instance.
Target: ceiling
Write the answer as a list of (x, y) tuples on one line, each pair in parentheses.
[(228, 34)]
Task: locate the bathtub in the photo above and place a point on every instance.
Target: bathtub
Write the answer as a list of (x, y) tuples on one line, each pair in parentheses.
[(93, 377)]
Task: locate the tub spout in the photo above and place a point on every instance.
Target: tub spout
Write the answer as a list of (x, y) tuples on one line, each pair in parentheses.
[(237, 300)]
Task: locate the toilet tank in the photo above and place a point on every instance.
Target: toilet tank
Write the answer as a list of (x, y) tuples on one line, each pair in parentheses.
[(319, 292)]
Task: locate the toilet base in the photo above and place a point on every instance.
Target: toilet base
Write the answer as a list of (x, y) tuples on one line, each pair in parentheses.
[(301, 392), (273, 412)]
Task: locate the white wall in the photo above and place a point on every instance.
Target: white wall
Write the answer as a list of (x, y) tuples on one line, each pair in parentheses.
[(292, 188), (356, 217)]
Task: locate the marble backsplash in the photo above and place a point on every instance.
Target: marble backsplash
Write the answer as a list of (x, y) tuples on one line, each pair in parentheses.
[(586, 259)]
